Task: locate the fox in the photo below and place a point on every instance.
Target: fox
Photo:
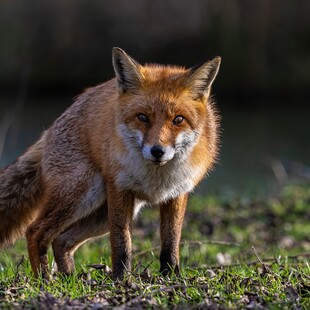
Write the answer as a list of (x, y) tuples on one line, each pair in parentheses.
[(146, 137)]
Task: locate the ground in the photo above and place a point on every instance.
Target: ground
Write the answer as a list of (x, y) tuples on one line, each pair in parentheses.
[(236, 252)]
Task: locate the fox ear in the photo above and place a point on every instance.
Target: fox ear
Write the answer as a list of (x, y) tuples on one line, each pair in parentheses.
[(201, 77), (127, 71)]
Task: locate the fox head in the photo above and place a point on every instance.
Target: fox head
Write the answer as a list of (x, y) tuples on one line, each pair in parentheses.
[(163, 110)]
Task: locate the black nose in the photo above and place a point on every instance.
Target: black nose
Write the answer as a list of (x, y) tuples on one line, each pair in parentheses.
[(157, 152)]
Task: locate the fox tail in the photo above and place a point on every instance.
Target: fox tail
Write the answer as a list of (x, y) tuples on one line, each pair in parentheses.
[(21, 187)]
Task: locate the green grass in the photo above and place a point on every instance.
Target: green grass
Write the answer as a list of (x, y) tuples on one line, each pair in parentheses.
[(235, 253)]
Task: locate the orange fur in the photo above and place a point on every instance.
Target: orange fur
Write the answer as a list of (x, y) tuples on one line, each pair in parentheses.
[(147, 137)]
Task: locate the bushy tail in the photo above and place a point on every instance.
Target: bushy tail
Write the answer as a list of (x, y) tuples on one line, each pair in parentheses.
[(20, 190)]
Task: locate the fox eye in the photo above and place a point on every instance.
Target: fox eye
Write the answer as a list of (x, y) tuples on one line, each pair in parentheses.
[(178, 120), (143, 118)]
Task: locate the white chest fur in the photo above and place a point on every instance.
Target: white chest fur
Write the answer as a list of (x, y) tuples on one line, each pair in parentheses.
[(156, 184)]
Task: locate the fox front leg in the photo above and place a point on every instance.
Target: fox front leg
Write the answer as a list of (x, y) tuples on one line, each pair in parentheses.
[(171, 217), (120, 214)]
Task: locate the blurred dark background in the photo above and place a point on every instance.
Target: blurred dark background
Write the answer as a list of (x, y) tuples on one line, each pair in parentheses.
[(51, 50)]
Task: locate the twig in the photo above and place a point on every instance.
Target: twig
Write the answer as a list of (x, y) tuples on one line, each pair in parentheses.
[(266, 269), (191, 243), (267, 261)]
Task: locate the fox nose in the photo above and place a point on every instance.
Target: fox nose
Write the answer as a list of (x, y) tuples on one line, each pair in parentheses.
[(157, 151)]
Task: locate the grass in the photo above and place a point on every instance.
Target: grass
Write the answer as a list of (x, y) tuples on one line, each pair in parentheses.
[(235, 253)]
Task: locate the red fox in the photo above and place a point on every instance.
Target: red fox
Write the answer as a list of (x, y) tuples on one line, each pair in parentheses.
[(146, 137)]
